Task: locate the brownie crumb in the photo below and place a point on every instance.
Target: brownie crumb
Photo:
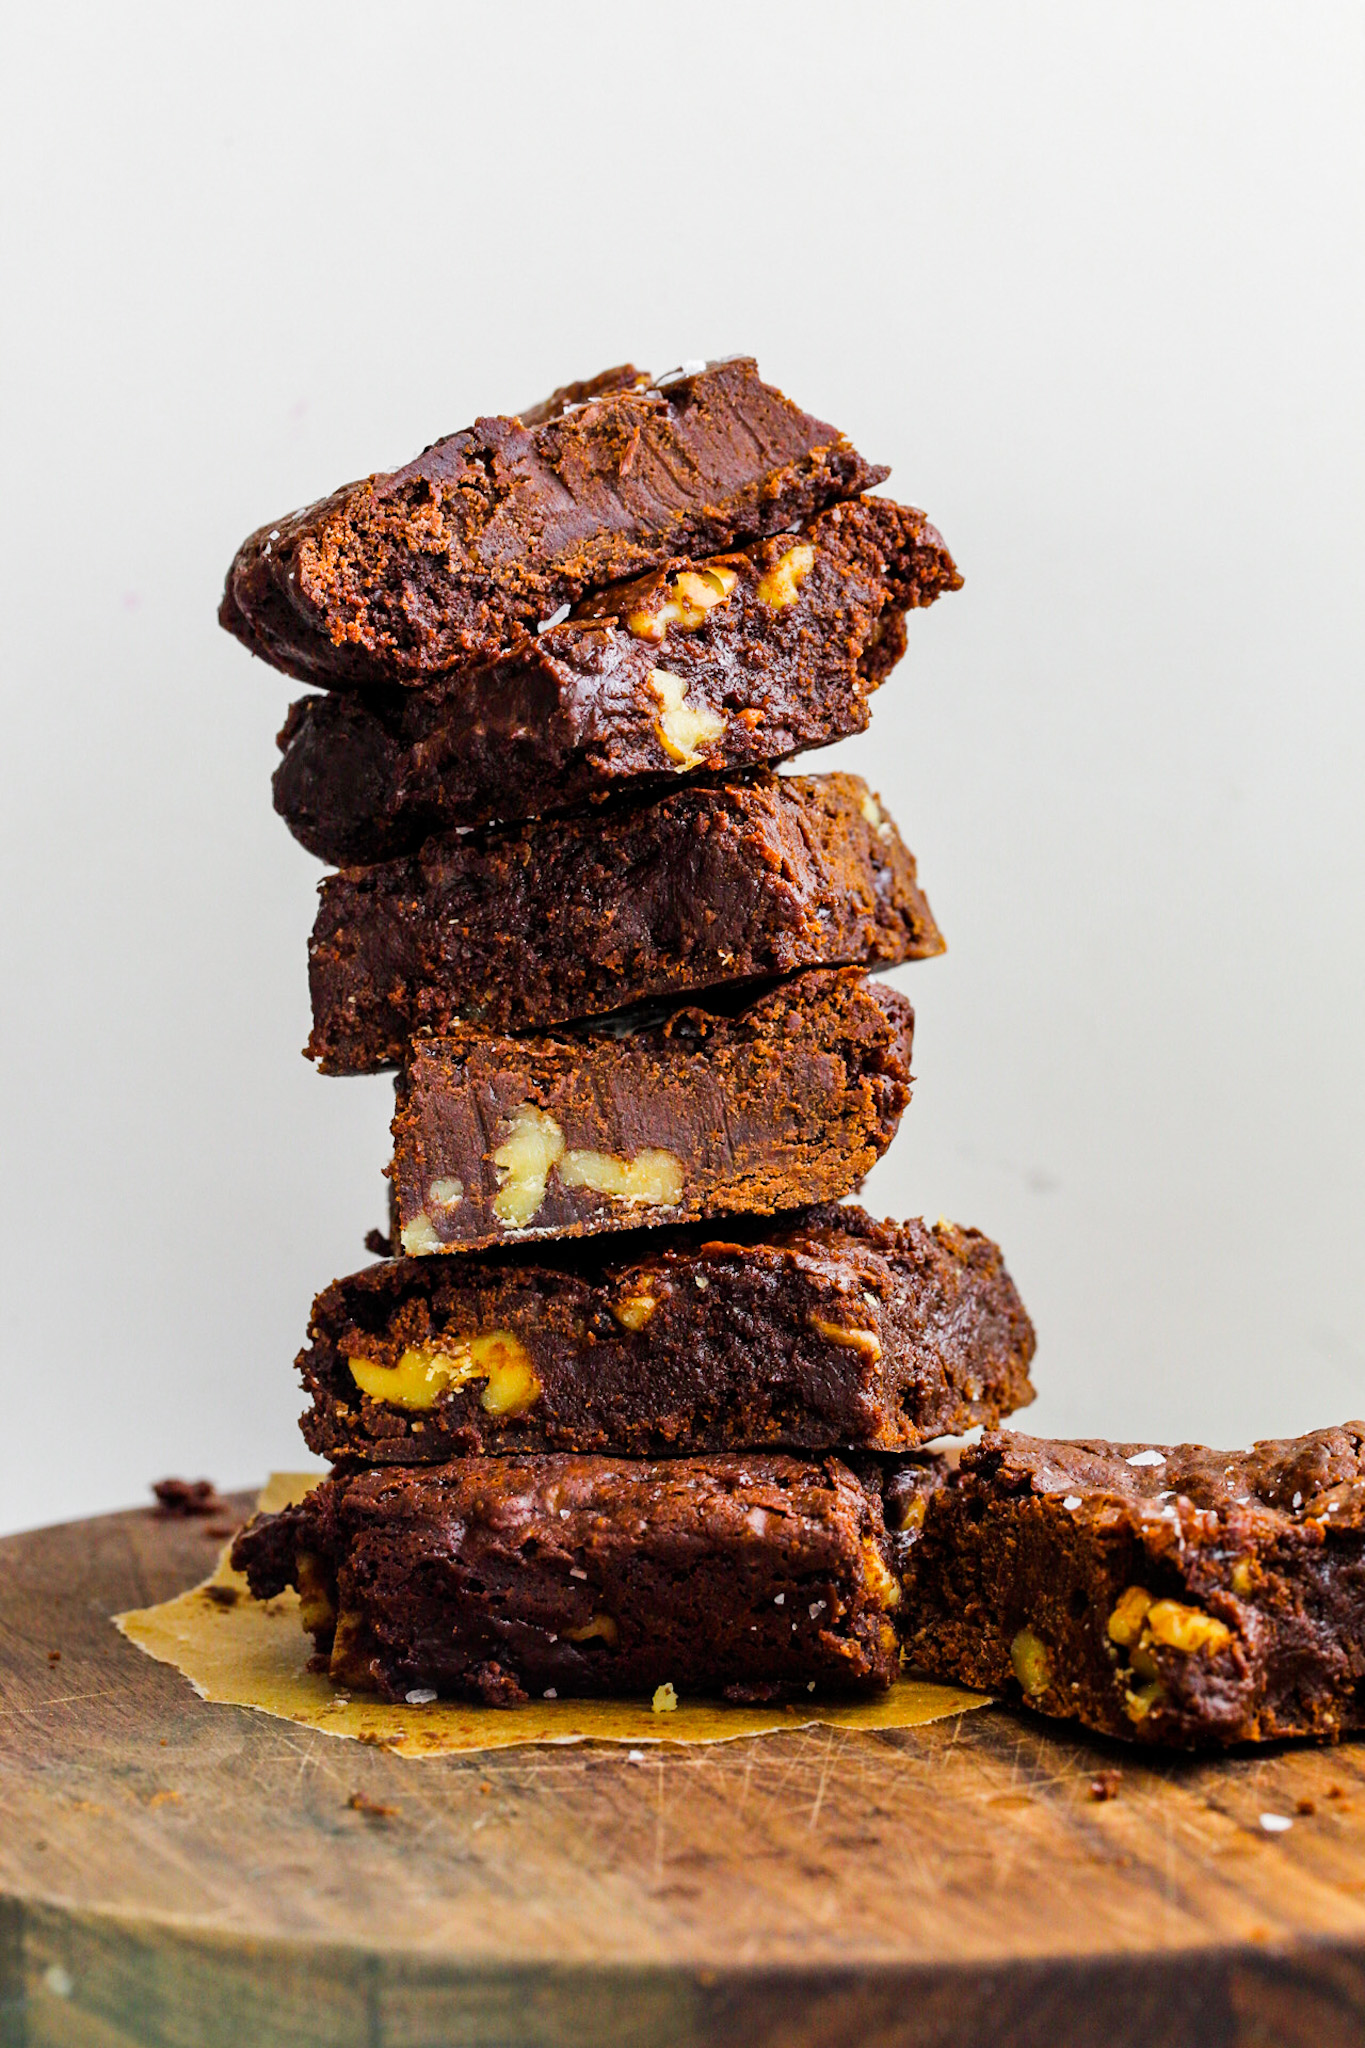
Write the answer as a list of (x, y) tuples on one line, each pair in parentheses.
[(379, 1244), (1106, 1784), (186, 1497), (222, 1596), (373, 1809)]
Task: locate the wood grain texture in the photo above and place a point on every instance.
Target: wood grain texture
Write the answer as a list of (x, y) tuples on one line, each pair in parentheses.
[(190, 1875)]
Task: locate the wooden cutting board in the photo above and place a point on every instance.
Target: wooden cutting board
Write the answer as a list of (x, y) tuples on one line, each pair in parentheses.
[(206, 1877)]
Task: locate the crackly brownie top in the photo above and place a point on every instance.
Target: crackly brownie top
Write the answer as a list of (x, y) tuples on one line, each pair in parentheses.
[(1305, 1478)]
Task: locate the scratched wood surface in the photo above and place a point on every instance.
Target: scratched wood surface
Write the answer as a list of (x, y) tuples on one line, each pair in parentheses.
[(183, 1874)]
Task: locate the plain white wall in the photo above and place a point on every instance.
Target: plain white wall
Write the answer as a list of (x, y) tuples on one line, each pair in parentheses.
[(1088, 276)]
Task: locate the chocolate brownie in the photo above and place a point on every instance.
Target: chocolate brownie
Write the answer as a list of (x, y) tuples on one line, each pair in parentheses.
[(495, 1578), (791, 1100), (823, 1330), (462, 552), (552, 921), (1170, 1594), (718, 662)]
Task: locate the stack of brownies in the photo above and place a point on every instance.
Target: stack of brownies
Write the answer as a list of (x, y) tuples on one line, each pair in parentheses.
[(633, 1401)]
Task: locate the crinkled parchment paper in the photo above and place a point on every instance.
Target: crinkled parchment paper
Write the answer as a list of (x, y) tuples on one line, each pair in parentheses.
[(247, 1653)]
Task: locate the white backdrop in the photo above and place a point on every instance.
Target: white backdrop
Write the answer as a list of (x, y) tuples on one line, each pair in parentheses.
[(1089, 277)]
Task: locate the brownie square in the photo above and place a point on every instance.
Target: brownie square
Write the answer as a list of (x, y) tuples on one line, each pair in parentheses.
[(1162, 1593), (720, 662), (455, 557), (567, 918), (822, 1330), (760, 1577), (703, 1112)]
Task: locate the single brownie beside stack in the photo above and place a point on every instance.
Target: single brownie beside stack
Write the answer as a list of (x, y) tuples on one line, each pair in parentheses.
[(614, 1418), (1167, 1593)]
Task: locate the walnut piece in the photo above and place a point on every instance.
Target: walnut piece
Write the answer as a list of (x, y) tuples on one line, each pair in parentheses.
[(848, 1339), (348, 1664), (504, 1363), (418, 1380), (603, 1625), (633, 1311), (1187, 1629), (1138, 1621), (874, 815), (1125, 1623), (1143, 1658), (1139, 1624), (692, 593), (535, 1145), (424, 1373), (1138, 1705), (420, 1236), (652, 1178), (912, 1513), (881, 1583), (1032, 1664), (686, 732), (316, 1609), (780, 586)]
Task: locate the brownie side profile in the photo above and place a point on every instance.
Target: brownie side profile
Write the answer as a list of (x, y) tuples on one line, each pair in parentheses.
[(456, 556), (829, 1329), (790, 1101), (497, 1578), (552, 921), (720, 662), (1166, 1594)]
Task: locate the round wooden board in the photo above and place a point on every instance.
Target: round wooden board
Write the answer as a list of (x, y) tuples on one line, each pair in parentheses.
[(206, 1877)]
